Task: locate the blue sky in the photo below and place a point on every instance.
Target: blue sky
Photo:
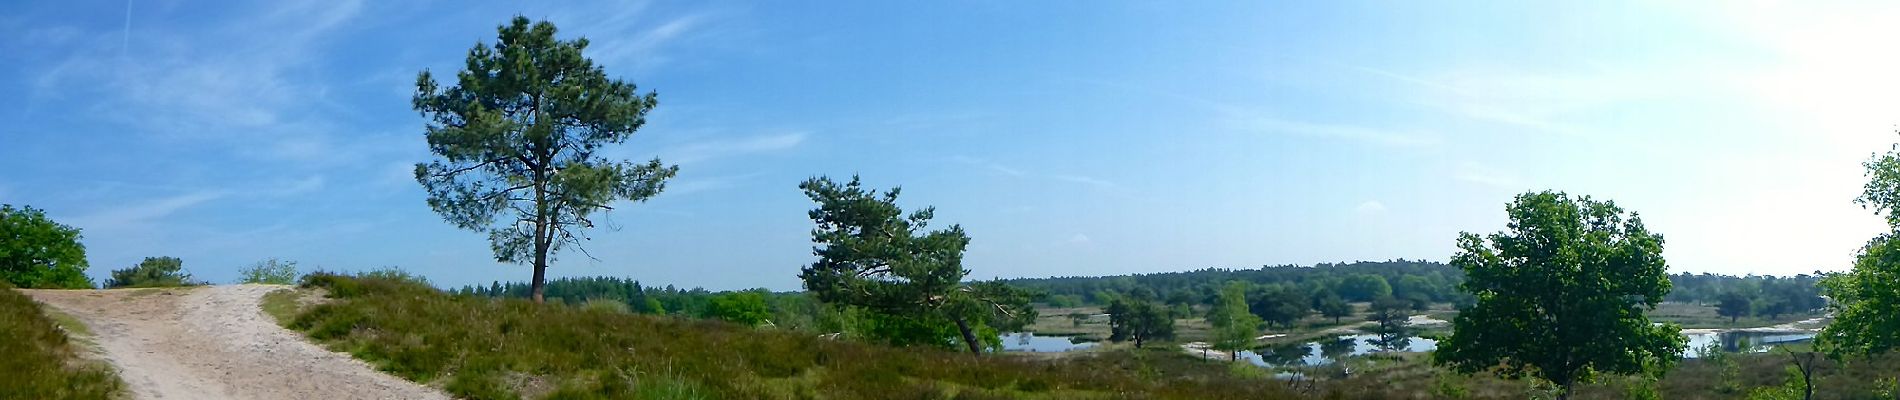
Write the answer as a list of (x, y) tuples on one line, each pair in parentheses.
[(1068, 138)]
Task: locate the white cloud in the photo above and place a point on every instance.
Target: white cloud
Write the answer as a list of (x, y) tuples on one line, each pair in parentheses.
[(141, 213), (722, 148), (1370, 207), (999, 168), (1474, 172), (1080, 239), (992, 166)]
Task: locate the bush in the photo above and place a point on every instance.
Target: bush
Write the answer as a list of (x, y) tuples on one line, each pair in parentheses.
[(39, 361), (270, 272), (36, 252), (153, 272)]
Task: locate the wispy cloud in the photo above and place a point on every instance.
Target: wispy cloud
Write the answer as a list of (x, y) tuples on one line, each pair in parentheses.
[(1014, 172), (1083, 180), (141, 213), (989, 165), (686, 185), (730, 147), (1346, 132), (1474, 172), (640, 38), (1370, 207)]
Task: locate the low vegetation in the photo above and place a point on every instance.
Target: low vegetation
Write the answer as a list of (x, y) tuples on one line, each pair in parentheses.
[(482, 348), (41, 361), (153, 272), (270, 272)]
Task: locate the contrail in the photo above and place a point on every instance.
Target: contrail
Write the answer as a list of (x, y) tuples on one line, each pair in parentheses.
[(125, 37)]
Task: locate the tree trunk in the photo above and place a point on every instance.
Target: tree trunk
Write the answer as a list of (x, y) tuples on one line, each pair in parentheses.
[(1137, 342), (969, 337), (1563, 390), (540, 284)]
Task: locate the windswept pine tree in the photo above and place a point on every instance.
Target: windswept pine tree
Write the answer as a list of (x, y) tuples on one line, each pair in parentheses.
[(520, 137)]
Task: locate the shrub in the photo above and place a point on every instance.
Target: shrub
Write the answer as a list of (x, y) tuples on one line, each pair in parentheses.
[(746, 308), (36, 252), (39, 361), (270, 272), (153, 272), (607, 305)]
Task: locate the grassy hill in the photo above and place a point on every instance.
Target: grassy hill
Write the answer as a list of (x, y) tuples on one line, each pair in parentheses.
[(483, 348)]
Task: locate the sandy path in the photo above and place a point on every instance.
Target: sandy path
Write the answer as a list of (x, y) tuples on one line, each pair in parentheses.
[(216, 343)]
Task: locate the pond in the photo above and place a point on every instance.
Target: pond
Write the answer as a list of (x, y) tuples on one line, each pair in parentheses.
[(1742, 341), (1326, 352), (1030, 342)]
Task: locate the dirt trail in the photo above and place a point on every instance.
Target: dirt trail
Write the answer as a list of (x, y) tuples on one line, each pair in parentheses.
[(216, 343)]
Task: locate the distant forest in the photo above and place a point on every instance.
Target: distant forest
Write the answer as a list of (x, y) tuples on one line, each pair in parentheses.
[(1418, 281), (1411, 280)]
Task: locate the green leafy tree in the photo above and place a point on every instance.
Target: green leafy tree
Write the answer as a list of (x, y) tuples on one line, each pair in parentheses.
[(36, 252), (649, 305), (1333, 307), (1139, 321), (1561, 295), (1866, 297), (519, 137), (872, 255), (740, 307), (270, 272), (1234, 325), (1733, 305), (1364, 287), (1281, 307), (153, 272), (1390, 315)]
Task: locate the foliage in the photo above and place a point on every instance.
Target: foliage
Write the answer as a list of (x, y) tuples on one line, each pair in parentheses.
[(1864, 299), (1561, 295), (1389, 314), (36, 252), (1199, 287), (520, 136), (570, 352), (1139, 320), (270, 272), (1281, 305), (1331, 306), (872, 255), (153, 272), (1234, 325), (1364, 287), (40, 361), (747, 308), (1733, 305)]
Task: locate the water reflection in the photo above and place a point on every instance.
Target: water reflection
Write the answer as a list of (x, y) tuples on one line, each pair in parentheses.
[(1328, 351), (1030, 342), (1741, 342)]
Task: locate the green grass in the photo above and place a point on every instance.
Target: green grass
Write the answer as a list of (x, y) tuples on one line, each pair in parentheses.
[(283, 305), (39, 361), (481, 348)]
